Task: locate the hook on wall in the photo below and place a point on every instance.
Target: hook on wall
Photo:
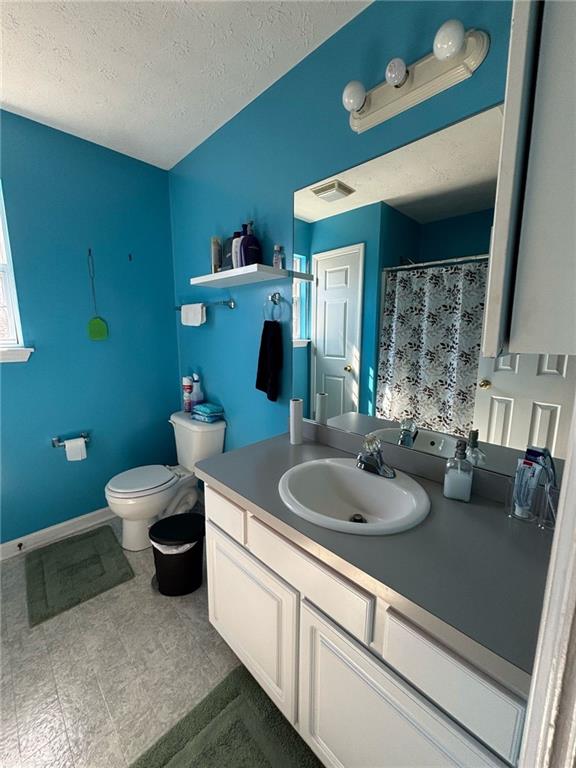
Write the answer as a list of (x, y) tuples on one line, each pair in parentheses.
[(275, 298)]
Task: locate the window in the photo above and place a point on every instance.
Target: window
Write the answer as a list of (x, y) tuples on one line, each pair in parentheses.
[(11, 343), (299, 302), (297, 299)]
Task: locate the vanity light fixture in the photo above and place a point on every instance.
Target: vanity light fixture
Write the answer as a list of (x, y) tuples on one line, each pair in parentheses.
[(449, 40), (333, 190), (354, 96), (396, 72), (456, 55)]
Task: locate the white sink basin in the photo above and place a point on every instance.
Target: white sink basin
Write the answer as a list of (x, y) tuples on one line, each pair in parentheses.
[(329, 492)]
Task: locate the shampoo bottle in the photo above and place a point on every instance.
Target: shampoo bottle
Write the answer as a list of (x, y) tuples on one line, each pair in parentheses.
[(458, 476), (251, 251), (236, 242), (227, 253)]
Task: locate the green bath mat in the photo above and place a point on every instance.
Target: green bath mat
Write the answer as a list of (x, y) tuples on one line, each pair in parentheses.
[(235, 726), (71, 571)]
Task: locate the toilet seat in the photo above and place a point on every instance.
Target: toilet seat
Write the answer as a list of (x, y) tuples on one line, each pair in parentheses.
[(142, 481)]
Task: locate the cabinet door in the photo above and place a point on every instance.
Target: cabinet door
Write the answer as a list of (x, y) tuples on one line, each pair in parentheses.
[(356, 713), (520, 78), (257, 615), (544, 310)]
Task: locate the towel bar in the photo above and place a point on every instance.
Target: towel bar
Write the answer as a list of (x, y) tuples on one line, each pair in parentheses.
[(230, 303)]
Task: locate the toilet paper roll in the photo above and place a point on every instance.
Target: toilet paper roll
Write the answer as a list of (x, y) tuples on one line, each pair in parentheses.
[(321, 407), (75, 449), (193, 314), (296, 411)]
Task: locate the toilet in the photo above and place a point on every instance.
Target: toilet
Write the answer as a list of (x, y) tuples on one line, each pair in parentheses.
[(142, 494)]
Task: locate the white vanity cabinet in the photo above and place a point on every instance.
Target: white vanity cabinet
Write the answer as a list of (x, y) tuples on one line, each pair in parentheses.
[(356, 712), (257, 614), (309, 634)]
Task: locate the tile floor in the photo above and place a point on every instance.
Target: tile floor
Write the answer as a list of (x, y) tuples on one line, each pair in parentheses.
[(97, 685)]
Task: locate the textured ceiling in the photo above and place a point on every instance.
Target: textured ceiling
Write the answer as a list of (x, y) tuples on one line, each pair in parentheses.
[(449, 173), (153, 79)]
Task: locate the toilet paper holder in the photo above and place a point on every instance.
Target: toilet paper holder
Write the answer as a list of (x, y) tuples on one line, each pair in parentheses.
[(58, 443)]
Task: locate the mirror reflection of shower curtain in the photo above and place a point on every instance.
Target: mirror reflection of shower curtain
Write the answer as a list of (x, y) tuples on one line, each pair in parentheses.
[(430, 346)]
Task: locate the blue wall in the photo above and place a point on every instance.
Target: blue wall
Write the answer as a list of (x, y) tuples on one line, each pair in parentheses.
[(458, 236), (62, 195), (302, 237), (295, 133)]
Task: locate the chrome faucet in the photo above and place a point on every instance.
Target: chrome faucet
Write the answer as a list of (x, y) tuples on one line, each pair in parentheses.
[(370, 459), (408, 433)]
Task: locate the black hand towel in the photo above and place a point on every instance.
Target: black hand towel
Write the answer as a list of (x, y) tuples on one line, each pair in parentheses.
[(270, 359)]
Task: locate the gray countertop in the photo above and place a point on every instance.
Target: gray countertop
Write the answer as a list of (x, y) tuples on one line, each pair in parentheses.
[(466, 564)]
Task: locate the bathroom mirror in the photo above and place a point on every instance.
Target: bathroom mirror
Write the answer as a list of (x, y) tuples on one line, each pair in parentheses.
[(390, 329)]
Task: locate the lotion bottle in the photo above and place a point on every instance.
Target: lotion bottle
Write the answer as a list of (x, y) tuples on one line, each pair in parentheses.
[(458, 476)]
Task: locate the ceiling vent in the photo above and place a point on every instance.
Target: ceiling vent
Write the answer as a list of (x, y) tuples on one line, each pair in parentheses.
[(333, 190)]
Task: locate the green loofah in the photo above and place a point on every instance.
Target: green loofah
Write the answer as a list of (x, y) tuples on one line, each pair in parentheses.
[(97, 329)]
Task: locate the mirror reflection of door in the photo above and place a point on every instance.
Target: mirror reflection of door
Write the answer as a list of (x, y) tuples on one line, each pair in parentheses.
[(336, 327), (526, 400)]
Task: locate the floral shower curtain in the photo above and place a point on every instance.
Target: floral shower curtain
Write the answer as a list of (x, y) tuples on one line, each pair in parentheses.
[(430, 345)]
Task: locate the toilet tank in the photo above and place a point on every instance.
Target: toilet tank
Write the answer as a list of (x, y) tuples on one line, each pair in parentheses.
[(195, 440)]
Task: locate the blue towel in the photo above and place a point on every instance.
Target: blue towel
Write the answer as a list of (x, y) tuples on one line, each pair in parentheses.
[(207, 419), (208, 409)]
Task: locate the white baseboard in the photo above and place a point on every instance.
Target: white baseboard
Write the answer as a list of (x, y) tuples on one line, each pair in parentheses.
[(54, 533)]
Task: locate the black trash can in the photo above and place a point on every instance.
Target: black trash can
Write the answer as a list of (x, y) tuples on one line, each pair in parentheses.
[(178, 545)]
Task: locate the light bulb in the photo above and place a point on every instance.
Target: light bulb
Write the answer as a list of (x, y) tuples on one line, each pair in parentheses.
[(354, 96), (449, 39), (396, 72)]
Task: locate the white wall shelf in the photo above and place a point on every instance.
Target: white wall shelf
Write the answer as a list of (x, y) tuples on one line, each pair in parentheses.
[(253, 273)]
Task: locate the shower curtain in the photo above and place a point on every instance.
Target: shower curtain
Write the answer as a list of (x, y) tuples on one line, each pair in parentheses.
[(430, 345)]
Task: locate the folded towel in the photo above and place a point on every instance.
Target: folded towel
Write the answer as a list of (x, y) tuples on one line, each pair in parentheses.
[(270, 359), (193, 314), (208, 409), (207, 419)]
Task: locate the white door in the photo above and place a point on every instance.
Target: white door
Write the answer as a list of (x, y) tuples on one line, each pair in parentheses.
[(337, 327), (356, 713), (526, 400), (257, 614)]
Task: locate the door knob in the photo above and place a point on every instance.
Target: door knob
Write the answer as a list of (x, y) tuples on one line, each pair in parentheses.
[(484, 383), (348, 368)]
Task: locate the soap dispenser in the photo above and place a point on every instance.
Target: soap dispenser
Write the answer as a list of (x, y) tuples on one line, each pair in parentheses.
[(474, 453), (458, 476)]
